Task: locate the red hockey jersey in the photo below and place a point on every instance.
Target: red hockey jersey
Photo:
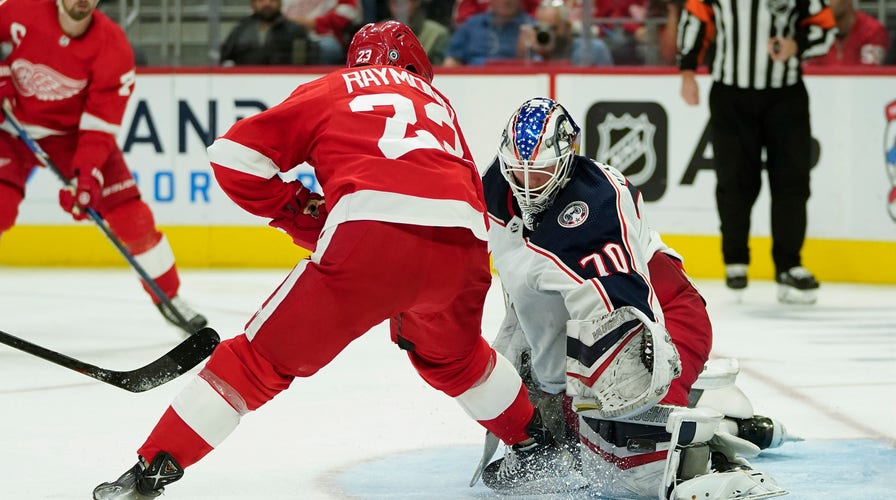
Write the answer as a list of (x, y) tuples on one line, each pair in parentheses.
[(866, 43), (68, 85), (383, 143)]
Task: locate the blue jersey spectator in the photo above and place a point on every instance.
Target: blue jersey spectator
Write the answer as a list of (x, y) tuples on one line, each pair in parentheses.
[(490, 36)]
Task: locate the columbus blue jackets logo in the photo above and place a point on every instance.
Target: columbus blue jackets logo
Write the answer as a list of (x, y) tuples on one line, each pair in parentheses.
[(574, 214)]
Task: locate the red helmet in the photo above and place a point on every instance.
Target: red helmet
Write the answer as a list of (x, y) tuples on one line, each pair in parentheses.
[(391, 43)]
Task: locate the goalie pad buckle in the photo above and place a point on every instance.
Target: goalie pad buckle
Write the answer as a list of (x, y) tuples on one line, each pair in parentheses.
[(619, 365)]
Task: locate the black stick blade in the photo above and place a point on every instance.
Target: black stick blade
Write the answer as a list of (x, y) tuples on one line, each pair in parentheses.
[(179, 360), (173, 364)]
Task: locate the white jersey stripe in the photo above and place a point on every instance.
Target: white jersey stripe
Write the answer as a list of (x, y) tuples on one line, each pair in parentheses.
[(235, 156)]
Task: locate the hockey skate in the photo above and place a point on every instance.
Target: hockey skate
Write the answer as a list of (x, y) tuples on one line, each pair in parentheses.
[(797, 286), (142, 481), (195, 321), (538, 467), (736, 276)]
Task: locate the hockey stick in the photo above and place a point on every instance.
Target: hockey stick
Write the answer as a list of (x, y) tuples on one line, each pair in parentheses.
[(173, 364), (488, 451), (44, 159)]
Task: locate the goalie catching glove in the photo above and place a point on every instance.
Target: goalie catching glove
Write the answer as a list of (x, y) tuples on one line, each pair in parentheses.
[(619, 365), (83, 192), (302, 218)]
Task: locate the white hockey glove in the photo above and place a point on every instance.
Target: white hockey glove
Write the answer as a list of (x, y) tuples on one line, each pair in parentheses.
[(619, 365)]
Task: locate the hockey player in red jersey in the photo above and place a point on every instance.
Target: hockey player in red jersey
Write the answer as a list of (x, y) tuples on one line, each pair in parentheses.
[(400, 235), (612, 333), (68, 77)]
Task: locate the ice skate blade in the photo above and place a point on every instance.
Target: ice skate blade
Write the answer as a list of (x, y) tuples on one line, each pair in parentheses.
[(790, 295)]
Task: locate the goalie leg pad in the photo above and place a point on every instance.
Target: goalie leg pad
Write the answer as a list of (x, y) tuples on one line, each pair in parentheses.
[(715, 388), (691, 430), (619, 365)]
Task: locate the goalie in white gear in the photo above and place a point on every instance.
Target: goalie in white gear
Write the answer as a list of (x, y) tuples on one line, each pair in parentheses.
[(601, 316)]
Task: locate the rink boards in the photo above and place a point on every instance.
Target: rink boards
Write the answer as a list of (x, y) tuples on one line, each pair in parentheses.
[(634, 121)]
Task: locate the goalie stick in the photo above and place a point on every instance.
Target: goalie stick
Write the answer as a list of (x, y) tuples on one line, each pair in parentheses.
[(44, 159), (179, 360)]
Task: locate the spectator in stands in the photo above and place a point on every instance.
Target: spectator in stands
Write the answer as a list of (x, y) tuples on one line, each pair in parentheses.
[(465, 9), (861, 39), (333, 22), (433, 36), (373, 11), (667, 33), (551, 39), (265, 37), (440, 11), (488, 37)]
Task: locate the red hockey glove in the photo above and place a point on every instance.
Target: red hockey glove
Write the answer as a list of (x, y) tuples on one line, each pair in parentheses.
[(303, 219), (82, 193)]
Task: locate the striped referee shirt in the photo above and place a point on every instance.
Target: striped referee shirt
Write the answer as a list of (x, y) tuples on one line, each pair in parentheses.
[(741, 30)]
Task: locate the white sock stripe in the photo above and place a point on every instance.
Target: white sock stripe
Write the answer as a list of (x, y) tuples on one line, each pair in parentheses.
[(489, 399), (157, 260), (267, 309), (206, 412)]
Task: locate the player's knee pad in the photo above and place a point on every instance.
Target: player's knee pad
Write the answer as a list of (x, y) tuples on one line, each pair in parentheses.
[(242, 376), (133, 223), (10, 198)]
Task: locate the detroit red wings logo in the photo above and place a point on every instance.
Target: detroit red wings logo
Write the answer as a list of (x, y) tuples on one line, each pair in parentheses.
[(44, 82)]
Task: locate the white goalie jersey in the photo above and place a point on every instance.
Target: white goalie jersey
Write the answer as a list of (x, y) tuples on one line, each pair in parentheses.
[(586, 257)]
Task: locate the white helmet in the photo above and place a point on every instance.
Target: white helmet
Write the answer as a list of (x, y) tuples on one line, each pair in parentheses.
[(538, 144)]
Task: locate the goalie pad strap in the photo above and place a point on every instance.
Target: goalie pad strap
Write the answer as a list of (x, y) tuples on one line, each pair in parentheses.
[(623, 434)]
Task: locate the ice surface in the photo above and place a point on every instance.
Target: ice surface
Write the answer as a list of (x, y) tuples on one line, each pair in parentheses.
[(367, 427)]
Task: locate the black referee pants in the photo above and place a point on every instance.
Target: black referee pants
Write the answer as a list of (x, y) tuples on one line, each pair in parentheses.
[(742, 123)]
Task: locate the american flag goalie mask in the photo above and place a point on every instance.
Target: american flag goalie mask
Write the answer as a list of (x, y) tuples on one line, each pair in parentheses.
[(536, 152)]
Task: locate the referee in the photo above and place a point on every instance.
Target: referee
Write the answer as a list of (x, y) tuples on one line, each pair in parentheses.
[(758, 101)]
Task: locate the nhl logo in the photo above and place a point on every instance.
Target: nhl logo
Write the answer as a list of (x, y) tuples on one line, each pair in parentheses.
[(626, 143), (514, 226), (573, 215)]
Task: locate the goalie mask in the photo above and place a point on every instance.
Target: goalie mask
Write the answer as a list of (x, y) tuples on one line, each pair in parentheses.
[(390, 43), (536, 152)]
